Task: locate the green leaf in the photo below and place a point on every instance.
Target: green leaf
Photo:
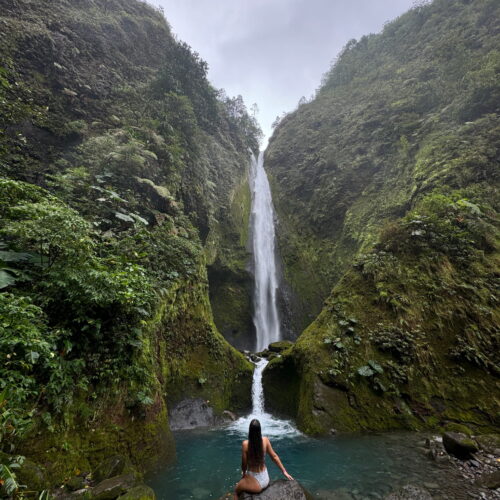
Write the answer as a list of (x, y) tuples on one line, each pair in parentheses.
[(32, 356), (375, 366), (6, 279), (365, 371)]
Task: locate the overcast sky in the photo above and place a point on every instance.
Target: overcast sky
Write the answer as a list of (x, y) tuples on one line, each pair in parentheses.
[(273, 52)]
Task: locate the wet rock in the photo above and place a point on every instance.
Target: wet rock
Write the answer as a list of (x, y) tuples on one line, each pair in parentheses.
[(339, 494), (113, 466), (140, 492), (410, 492), (280, 346), (191, 414), (490, 443), (279, 490), (264, 354), (229, 415), (490, 480), (459, 445), (114, 487)]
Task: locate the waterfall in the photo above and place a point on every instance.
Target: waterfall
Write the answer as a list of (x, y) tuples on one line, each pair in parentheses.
[(266, 317)]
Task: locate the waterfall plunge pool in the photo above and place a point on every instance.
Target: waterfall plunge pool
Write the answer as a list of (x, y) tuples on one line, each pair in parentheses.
[(362, 466), (366, 466)]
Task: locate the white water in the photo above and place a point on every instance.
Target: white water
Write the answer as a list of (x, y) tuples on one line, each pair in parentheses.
[(272, 427), (266, 318)]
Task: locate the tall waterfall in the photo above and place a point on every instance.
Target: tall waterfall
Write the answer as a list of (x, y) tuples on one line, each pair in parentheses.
[(266, 318)]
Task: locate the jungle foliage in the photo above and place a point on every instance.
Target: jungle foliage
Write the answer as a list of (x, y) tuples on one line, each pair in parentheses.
[(118, 159)]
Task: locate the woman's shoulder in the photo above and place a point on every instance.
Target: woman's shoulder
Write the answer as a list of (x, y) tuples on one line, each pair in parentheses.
[(245, 443)]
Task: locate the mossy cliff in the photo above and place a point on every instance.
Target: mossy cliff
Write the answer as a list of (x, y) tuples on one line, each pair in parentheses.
[(123, 173), (384, 187)]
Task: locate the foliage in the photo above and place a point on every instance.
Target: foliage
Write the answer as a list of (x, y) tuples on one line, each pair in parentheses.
[(391, 124)]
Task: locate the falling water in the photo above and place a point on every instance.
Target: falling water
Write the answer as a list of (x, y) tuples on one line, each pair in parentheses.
[(266, 318)]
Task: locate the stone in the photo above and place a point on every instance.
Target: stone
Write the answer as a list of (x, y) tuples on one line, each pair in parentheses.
[(339, 494), (490, 480), (32, 475), (459, 445), (280, 490), (490, 443), (409, 492), (115, 465), (280, 346), (75, 483), (191, 414), (139, 492), (229, 415), (114, 487)]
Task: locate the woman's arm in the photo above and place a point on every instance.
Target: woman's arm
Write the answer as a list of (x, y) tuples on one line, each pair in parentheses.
[(243, 459), (276, 459)]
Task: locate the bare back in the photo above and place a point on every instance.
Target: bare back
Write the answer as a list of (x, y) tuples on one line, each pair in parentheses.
[(266, 448)]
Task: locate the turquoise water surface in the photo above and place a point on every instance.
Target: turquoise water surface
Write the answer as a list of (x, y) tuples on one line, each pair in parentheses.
[(370, 466)]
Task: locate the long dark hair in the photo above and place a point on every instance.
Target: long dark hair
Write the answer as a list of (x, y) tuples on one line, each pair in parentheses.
[(255, 448)]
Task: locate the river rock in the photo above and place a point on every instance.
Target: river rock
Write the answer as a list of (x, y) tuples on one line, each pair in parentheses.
[(114, 487), (490, 480), (191, 414), (409, 492), (280, 346), (140, 492), (280, 490), (113, 466), (490, 443), (459, 445)]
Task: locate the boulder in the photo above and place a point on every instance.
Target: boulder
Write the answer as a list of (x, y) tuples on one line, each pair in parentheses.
[(490, 480), (114, 487), (191, 414), (279, 490), (140, 492), (32, 475), (409, 492), (280, 346), (459, 445), (112, 466)]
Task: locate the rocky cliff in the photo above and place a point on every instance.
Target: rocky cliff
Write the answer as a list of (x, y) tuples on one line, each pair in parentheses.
[(385, 186), (123, 172)]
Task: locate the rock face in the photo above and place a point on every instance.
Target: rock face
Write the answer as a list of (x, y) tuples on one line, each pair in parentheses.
[(365, 232), (111, 467), (459, 445), (410, 492), (280, 490), (114, 487), (191, 414)]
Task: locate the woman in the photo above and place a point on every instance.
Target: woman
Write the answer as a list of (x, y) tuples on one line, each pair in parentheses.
[(253, 466)]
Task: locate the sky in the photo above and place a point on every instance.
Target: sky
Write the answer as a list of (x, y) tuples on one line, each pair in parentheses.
[(273, 52)]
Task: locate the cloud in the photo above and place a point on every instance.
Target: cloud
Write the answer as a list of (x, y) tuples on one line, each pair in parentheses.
[(273, 52)]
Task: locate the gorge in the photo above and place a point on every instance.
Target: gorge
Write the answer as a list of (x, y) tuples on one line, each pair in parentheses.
[(146, 261)]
